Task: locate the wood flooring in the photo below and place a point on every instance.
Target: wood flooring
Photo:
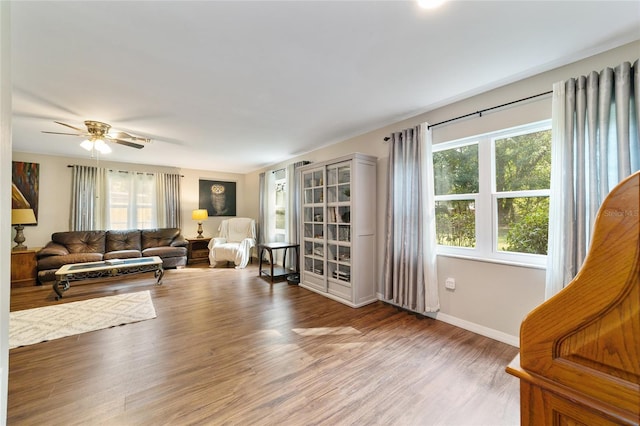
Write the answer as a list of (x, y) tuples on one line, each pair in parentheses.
[(229, 348)]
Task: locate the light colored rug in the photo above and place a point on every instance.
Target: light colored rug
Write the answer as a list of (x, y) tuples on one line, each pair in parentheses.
[(53, 322)]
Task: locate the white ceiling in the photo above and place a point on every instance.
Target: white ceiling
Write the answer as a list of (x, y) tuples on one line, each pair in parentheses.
[(239, 85)]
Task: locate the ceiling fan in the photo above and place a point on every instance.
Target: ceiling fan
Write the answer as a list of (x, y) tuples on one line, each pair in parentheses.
[(97, 134)]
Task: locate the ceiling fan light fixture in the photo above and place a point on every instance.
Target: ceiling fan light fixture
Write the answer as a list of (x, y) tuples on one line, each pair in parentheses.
[(102, 147), (96, 144), (87, 144)]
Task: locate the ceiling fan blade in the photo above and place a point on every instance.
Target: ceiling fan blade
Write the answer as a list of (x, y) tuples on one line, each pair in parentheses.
[(120, 135), (60, 133), (69, 125), (127, 143)]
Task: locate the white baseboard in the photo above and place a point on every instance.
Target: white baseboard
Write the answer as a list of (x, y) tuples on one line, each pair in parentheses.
[(468, 325)]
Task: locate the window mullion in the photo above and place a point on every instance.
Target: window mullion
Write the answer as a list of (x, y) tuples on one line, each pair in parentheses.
[(483, 199)]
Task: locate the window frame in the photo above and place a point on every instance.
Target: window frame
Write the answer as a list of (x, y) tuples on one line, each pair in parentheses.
[(131, 201), (486, 206), (280, 234)]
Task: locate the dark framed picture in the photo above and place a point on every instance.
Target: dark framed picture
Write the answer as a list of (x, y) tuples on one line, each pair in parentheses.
[(218, 197), (24, 186)]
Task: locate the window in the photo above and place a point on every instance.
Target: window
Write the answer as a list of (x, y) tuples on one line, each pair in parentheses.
[(492, 194), (131, 200), (280, 204)]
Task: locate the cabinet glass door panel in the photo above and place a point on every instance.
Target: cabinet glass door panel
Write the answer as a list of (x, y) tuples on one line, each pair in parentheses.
[(344, 174), (318, 231), (318, 195), (332, 252), (343, 214), (308, 230), (341, 272), (344, 233), (332, 232), (307, 180), (344, 193), (308, 196), (318, 250), (307, 214), (318, 215), (332, 175), (344, 254), (318, 178), (332, 194)]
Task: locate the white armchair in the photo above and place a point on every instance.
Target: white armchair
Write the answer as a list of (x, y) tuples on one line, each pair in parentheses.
[(237, 238)]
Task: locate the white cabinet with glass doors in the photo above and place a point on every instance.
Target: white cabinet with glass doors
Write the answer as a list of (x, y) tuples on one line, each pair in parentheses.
[(338, 229)]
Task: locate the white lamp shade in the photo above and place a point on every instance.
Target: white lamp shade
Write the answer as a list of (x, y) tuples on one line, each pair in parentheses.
[(87, 144), (23, 217), (97, 144), (102, 147), (200, 214)]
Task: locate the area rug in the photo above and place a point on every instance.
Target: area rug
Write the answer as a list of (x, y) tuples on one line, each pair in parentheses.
[(53, 322)]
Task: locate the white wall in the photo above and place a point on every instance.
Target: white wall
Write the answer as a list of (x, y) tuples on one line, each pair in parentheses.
[(490, 298), (55, 194)]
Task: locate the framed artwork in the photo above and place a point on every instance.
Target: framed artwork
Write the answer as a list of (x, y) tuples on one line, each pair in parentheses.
[(218, 197), (24, 186)]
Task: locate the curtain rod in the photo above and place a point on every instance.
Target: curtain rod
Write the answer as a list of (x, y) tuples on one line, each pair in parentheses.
[(122, 171), (480, 112)]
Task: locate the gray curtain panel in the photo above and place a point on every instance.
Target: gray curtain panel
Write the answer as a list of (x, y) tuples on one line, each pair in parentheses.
[(86, 201), (168, 200), (403, 265), (262, 209), (596, 144), (293, 207)]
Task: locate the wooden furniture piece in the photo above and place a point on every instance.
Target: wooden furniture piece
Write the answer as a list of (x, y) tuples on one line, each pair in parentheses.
[(197, 250), (24, 270), (579, 361), (106, 268), (338, 229), (274, 270)]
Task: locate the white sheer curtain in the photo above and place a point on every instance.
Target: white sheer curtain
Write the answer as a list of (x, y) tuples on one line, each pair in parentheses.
[(132, 201), (88, 198), (410, 275), (595, 144)]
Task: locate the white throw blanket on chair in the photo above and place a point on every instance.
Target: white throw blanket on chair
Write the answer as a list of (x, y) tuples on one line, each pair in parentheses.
[(237, 238)]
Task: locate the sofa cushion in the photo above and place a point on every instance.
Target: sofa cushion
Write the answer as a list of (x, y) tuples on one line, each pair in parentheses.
[(55, 262), (122, 254), (52, 249), (117, 240), (158, 237), (164, 251), (81, 241)]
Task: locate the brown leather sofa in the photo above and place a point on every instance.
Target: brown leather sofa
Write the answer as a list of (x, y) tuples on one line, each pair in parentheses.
[(93, 246)]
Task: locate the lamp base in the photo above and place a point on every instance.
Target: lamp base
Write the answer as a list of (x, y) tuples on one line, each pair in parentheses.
[(19, 239), (200, 230)]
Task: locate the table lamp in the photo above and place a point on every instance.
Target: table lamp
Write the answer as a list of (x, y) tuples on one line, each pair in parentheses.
[(20, 217), (200, 215)]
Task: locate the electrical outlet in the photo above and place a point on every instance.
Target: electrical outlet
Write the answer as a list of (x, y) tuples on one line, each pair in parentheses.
[(450, 283)]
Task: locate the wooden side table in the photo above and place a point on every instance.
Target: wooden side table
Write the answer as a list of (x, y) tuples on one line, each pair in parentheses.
[(275, 272), (198, 250), (23, 268)]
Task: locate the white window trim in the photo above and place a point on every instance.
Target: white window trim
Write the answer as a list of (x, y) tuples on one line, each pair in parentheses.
[(486, 216)]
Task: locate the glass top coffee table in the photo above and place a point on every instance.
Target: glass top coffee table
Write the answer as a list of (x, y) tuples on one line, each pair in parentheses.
[(106, 268)]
